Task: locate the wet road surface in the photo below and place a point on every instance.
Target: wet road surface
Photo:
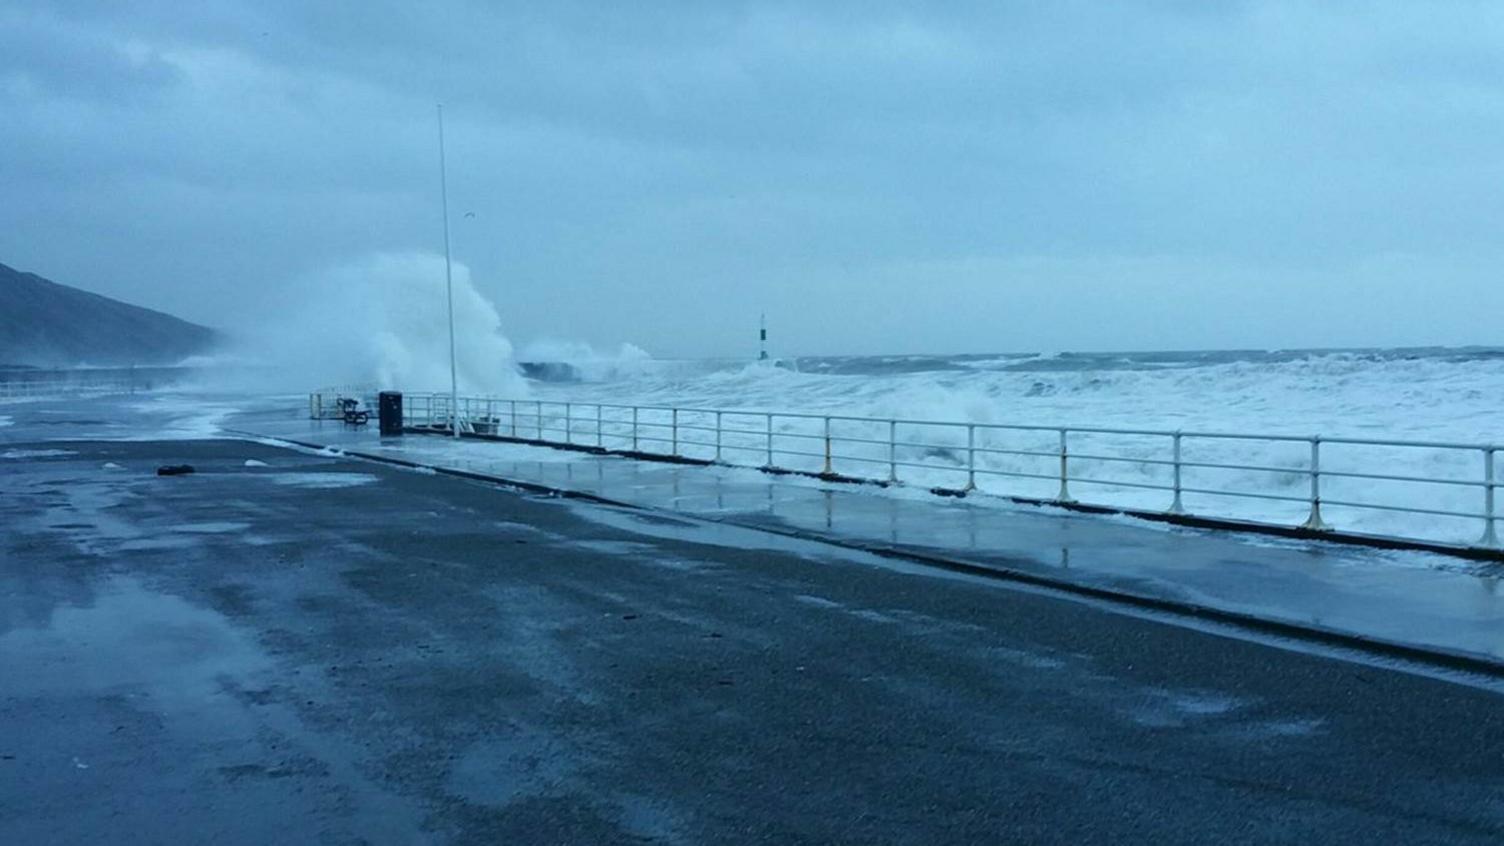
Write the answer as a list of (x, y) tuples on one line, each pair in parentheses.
[(1438, 603), (292, 648)]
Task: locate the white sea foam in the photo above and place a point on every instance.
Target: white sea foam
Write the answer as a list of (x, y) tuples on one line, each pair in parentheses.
[(180, 416), (592, 365), (21, 454), (1422, 397)]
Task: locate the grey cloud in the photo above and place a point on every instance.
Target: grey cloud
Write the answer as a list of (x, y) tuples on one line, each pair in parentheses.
[(659, 172), (42, 54)]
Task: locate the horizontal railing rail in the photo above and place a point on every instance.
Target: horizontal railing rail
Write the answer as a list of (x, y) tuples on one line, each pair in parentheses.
[(1299, 479), (18, 383), (43, 388)]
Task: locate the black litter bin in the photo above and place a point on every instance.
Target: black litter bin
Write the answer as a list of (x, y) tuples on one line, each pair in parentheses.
[(389, 411)]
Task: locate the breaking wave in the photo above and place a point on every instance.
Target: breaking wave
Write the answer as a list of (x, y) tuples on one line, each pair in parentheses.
[(383, 321)]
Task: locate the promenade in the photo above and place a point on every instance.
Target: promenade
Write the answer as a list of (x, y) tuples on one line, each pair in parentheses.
[(1386, 598), (294, 647)]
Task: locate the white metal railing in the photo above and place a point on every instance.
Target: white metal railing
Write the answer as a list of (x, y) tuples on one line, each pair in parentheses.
[(324, 404), (43, 388), (39, 383), (1440, 488)]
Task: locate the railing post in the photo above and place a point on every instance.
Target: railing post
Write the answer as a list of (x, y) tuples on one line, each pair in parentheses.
[(1177, 507), (827, 446), (599, 440), (770, 439), (538, 417), (1314, 522), (971, 457), (1490, 537), (514, 417), (718, 437), (1065, 475), (892, 450), (634, 428), (674, 431), (568, 423)]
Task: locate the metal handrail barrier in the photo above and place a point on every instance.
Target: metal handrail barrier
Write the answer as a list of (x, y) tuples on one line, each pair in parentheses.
[(932, 451), (30, 389)]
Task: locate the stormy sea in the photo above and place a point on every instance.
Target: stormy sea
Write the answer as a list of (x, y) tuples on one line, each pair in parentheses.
[(1443, 395)]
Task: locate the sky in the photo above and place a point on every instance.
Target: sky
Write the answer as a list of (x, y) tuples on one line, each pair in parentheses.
[(877, 177)]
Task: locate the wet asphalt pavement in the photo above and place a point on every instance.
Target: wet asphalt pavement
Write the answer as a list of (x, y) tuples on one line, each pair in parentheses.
[(325, 651), (1408, 600)]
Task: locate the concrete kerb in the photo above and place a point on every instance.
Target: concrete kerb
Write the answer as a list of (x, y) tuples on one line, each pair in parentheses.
[(1308, 632)]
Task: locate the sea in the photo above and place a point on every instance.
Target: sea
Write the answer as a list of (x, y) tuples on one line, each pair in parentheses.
[(1440, 395), (1413, 393)]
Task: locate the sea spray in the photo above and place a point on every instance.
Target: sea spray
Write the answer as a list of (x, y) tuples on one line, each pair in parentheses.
[(583, 362), (381, 321)]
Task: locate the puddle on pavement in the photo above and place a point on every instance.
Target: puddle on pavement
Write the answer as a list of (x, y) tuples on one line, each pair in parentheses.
[(86, 511), (1294, 727), (713, 534), (209, 528), (130, 641), (1023, 658), (1178, 708), (157, 544), (318, 481), (630, 548)]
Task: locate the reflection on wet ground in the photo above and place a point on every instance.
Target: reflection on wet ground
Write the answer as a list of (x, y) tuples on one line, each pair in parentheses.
[(129, 641), (1413, 598)]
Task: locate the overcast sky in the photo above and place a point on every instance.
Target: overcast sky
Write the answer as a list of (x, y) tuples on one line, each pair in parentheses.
[(877, 177)]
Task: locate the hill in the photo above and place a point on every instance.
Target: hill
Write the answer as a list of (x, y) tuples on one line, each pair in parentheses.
[(43, 323)]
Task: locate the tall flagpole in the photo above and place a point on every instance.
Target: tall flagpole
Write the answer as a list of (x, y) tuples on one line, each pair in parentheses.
[(454, 385)]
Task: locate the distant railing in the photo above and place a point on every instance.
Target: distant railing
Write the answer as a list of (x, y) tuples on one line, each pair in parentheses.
[(1298, 482), (324, 404), (20, 383), (43, 388)]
